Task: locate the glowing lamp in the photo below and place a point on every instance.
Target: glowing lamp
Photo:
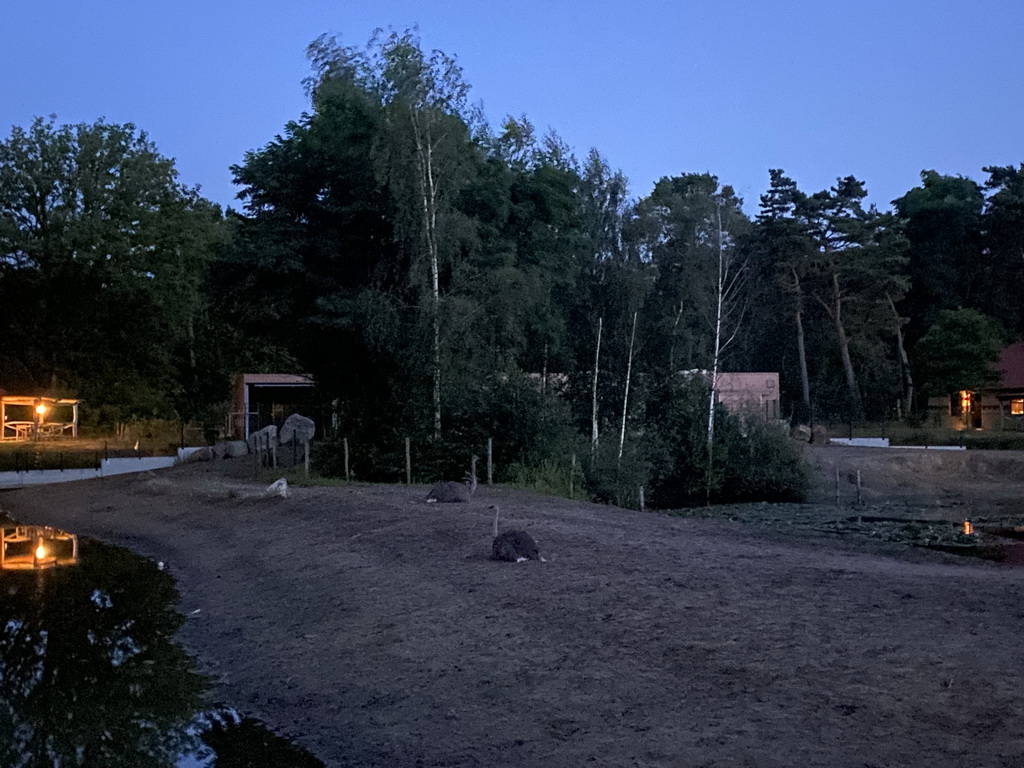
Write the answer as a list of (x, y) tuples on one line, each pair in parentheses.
[(968, 528), (40, 409), (33, 547)]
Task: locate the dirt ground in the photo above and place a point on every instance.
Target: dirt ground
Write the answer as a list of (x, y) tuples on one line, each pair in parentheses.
[(373, 630)]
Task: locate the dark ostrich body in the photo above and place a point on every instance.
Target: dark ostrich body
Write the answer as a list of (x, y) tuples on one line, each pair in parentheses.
[(513, 546), (450, 492)]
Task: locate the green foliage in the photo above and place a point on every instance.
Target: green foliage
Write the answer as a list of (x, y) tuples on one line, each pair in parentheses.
[(1001, 270), (958, 352), (764, 464), (103, 259), (943, 223), (753, 460), (614, 480), (551, 477)]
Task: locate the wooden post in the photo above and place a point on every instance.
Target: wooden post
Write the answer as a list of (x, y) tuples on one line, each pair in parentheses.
[(408, 462), (572, 477), (837, 487), (345, 441), (642, 505), (273, 451), (490, 460), (305, 451), (860, 501)]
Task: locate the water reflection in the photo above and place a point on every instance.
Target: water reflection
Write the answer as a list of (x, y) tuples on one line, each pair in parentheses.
[(90, 674), (32, 547)]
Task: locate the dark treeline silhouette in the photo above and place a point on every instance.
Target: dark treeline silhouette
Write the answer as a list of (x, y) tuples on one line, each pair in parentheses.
[(450, 281)]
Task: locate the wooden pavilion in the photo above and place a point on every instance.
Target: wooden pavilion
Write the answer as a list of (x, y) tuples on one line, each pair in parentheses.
[(27, 417)]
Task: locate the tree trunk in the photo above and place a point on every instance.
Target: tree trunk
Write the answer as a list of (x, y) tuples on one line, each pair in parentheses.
[(801, 347), (908, 379), (593, 405), (625, 396), (856, 404), (428, 195), (672, 343)]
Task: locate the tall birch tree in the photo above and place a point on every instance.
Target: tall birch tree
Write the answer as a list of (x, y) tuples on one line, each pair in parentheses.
[(421, 155)]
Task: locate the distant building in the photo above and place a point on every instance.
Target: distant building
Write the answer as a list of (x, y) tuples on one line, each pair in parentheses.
[(261, 399), (750, 393), (1000, 406)]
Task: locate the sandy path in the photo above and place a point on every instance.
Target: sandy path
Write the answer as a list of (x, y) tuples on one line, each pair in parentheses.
[(373, 630)]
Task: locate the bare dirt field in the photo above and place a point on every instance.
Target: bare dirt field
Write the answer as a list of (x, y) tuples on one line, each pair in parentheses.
[(373, 629)]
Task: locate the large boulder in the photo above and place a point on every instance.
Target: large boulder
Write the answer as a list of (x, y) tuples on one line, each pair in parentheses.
[(262, 438), (298, 428)]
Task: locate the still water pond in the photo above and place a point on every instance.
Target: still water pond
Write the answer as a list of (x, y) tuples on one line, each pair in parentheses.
[(90, 675)]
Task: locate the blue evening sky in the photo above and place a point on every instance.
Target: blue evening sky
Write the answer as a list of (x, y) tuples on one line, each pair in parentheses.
[(877, 89)]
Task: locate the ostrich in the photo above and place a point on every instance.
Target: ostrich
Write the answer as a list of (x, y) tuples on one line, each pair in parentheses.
[(450, 491), (513, 546)]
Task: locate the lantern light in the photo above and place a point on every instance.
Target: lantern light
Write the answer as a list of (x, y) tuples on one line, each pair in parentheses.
[(41, 409)]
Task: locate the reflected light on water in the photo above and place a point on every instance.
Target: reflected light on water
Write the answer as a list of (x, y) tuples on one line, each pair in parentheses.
[(91, 675), (31, 547)]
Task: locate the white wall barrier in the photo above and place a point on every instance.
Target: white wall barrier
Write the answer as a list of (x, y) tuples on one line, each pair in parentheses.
[(107, 468)]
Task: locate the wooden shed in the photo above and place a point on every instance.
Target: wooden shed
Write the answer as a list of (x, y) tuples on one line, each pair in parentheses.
[(30, 417)]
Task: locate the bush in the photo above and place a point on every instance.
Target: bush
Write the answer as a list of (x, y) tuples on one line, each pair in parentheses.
[(750, 460), (764, 465), (611, 480)]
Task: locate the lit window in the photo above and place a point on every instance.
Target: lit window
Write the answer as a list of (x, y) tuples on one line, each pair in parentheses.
[(1017, 407), (965, 401)]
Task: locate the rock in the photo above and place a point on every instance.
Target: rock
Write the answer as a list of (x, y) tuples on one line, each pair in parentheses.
[(202, 453), (235, 448), (298, 428), (262, 438), (802, 432), (278, 488)]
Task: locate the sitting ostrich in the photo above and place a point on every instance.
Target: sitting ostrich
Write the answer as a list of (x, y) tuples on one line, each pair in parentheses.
[(450, 491), (513, 546)]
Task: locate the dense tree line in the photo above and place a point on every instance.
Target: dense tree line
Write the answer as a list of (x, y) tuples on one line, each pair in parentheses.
[(449, 281)]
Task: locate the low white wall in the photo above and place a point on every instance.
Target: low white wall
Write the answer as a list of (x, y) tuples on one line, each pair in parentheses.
[(108, 468), (883, 442), (861, 442)]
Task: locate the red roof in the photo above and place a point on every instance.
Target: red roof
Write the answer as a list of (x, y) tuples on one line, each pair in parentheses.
[(1011, 366)]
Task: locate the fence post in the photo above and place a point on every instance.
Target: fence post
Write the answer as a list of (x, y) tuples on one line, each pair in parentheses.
[(642, 505), (305, 451), (572, 477), (345, 441), (490, 461), (408, 462)]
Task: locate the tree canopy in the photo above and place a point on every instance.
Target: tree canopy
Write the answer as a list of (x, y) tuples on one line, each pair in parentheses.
[(103, 257), (446, 281)]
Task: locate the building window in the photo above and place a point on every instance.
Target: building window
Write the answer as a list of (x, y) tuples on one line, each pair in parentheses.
[(1017, 407)]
